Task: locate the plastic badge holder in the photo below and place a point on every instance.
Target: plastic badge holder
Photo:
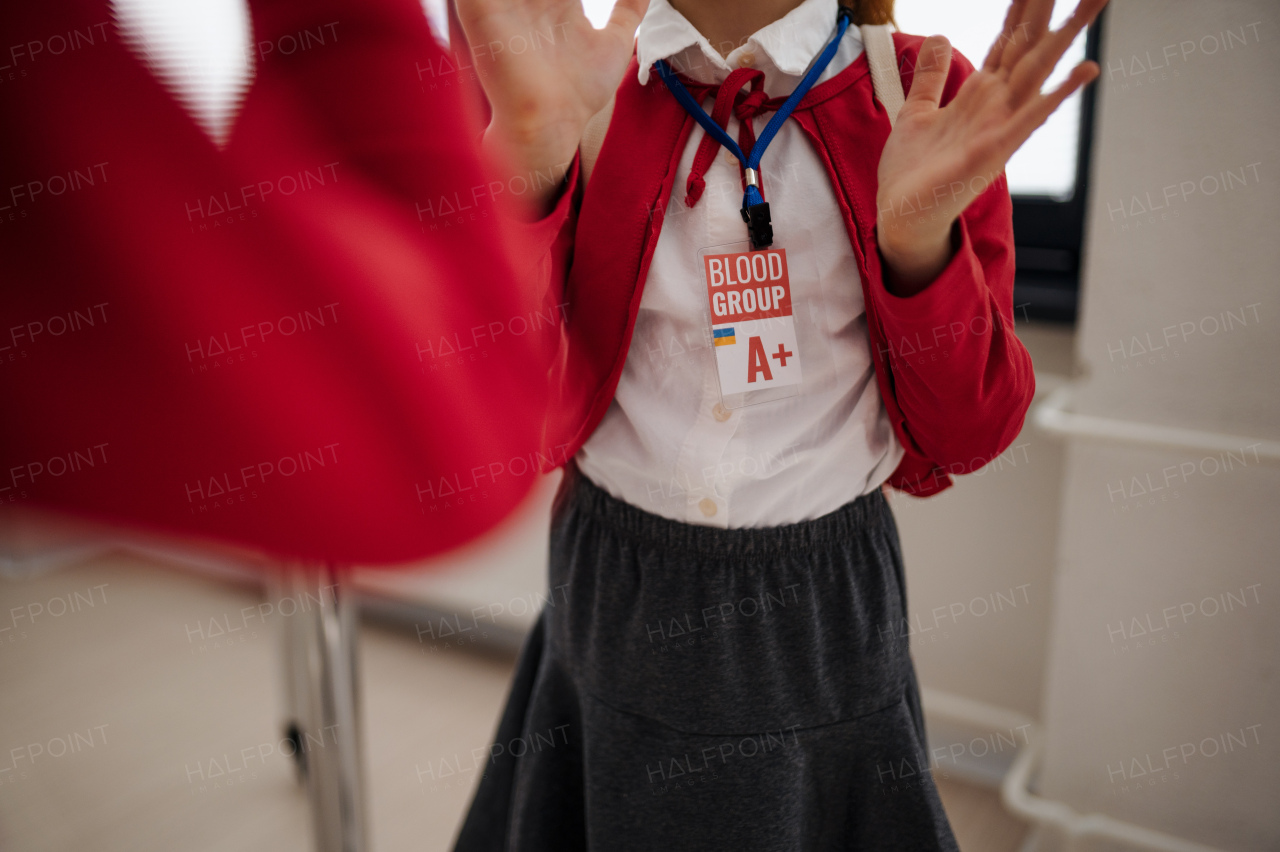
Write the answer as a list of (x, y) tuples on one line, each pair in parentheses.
[(767, 329)]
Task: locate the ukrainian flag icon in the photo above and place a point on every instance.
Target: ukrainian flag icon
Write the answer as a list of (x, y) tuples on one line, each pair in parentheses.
[(723, 336)]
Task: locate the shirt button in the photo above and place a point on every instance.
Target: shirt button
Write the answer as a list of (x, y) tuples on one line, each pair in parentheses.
[(721, 413), (729, 158), (708, 506), (746, 60)]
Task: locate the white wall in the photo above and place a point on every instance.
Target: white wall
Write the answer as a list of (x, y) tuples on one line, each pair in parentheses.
[(988, 540), (1162, 704)]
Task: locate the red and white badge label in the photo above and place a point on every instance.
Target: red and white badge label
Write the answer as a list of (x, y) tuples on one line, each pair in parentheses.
[(752, 327)]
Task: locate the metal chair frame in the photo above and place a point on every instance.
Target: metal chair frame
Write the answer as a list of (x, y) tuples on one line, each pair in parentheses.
[(322, 703)]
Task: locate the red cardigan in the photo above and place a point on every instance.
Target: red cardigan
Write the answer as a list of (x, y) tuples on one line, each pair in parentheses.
[(286, 344), (954, 378)]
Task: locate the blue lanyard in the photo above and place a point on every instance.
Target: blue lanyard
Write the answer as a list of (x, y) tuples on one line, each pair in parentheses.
[(755, 210)]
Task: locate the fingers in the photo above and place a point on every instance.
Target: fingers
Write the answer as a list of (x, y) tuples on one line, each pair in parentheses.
[(1034, 113), (1035, 67), (1027, 33), (1011, 19), (627, 14), (933, 63)]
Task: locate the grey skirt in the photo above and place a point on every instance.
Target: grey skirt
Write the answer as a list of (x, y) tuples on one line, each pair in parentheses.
[(692, 688)]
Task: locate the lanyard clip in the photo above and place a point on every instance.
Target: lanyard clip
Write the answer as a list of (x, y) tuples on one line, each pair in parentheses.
[(759, 226), (756, 215)]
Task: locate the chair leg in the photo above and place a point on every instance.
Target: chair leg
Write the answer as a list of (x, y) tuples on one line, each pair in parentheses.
[(323, 685), (291, 634)]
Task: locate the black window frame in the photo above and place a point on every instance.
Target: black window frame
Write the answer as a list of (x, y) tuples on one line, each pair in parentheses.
[(1049, 233)]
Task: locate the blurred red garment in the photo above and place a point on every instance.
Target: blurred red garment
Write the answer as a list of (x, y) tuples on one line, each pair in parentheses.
[(316, 342)]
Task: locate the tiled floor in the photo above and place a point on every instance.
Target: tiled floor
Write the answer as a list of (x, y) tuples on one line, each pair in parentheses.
[(144, 716)]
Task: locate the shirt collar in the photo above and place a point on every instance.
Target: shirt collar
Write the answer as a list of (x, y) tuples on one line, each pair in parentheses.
[(791, 42)]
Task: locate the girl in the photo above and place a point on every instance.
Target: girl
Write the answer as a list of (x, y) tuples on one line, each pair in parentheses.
[(738, 382)]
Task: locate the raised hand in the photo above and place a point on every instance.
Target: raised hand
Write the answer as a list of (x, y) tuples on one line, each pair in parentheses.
[(950, 154), (546, 71)]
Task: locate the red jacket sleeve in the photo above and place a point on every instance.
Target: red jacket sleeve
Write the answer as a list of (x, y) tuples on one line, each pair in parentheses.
[(314, 342), (548, 242), (962, 378)]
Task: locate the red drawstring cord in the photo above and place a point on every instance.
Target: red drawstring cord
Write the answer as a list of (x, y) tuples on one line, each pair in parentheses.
[(745, 106)]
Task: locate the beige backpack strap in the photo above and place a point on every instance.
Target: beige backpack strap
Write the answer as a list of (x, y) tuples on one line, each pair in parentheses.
[(593, 138), (877, 41)]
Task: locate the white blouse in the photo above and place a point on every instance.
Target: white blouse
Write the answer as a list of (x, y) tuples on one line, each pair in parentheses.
[(667, 444)]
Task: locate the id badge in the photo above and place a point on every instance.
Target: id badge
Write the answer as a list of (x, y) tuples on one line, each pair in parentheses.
[(755, 321)]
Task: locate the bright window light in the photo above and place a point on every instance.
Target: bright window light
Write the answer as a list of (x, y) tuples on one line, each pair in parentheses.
[(199, 49), (598, 11), (1046, 163)]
